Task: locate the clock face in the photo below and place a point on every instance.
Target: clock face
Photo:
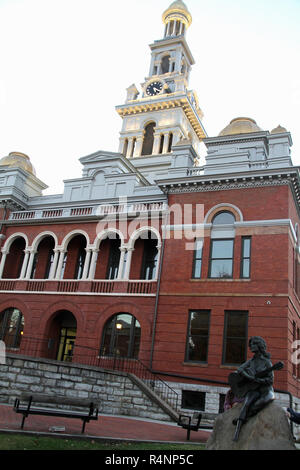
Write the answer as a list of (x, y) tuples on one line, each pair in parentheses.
[(154, 88)]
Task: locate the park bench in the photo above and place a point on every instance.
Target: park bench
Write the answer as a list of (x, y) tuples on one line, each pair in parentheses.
[(30, 404), (193, 423)]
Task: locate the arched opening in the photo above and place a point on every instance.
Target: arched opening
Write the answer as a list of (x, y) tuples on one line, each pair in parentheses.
[(121, 336), (74, 258), (14, 259), (11, 327), (148, 139), (145, 257), (43, 259), (62, 336), (109, 258), (165, 64)]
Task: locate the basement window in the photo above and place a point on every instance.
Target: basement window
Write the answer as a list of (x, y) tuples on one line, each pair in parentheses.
[(192, 400)]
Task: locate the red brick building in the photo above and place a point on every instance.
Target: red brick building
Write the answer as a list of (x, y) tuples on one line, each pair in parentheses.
[(153, 254)]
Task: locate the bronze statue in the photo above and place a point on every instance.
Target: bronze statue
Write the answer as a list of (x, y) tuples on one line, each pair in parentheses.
[(254, 381)]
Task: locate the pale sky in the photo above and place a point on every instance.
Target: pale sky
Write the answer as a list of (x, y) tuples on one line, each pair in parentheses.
[(66, 64)]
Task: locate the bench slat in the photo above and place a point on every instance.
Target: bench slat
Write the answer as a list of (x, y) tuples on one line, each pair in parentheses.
[(52, 412), (58, 400)]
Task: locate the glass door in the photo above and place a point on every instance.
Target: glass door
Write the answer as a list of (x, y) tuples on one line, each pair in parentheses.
[(66, 344)]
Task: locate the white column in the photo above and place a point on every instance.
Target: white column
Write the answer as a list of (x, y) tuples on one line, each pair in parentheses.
[(158, 261), (54, 265), (138, 147), (156, 144), (86, 263), (24, 265), (121, 145), (2, 264), (166, 143), (181, 28), (30, 264), (129, 149), (60, 263), (93, 264), (128, 263), (121, 263)]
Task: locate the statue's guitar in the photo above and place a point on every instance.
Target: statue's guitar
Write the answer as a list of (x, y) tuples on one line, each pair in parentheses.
[(240, 385)]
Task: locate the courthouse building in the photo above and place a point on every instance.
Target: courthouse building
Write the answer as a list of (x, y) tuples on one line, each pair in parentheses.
[(153, 253)]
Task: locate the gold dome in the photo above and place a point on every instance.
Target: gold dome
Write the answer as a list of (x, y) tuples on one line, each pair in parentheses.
[(278, 130), (18, 160), (177, 10), (240, 125)]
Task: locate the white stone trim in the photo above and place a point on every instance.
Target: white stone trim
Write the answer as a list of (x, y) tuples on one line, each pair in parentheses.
[(12, 238), (41, 236), (221, 206), (70, 235)]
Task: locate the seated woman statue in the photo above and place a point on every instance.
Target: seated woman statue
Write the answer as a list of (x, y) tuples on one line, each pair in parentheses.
[(253, 380)]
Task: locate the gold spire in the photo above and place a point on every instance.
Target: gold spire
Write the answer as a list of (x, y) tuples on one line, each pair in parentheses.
[(177, 11)]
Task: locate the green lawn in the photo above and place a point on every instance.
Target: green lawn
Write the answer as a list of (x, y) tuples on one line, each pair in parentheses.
[(23, 442)]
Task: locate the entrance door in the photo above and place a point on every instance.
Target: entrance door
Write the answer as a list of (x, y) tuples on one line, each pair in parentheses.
[(66, 344)]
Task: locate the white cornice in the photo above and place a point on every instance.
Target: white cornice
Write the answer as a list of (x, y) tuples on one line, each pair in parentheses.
[(163, 102)]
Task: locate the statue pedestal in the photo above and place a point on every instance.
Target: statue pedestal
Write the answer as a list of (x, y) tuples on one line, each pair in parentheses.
[(268, 430)]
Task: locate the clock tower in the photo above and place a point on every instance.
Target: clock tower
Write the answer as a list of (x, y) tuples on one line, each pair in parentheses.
[(164, 111)]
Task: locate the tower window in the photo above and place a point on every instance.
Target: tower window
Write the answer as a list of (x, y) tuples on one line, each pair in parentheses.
[(165, 64), (148, 139), (161, 145), (170, 143)]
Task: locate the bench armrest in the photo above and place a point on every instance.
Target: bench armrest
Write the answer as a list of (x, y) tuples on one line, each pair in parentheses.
[(199, 419), (184, 420)]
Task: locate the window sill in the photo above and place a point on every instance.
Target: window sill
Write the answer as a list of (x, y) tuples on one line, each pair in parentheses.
[(220, 280), (195, 364)]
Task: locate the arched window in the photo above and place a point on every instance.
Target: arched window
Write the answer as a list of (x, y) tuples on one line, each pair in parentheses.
[(11, 327), (74, 258), (121, 336), (14, 260), (148, 139), (222, 247), (43, 259), (223, 218)]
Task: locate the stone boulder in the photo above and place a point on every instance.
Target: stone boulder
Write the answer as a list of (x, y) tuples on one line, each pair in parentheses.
[(268, 430)]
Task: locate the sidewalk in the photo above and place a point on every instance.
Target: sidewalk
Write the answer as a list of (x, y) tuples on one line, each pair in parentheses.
[(107, 427)]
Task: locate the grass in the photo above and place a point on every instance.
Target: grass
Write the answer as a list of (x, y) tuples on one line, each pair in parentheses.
[(23, 442)]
